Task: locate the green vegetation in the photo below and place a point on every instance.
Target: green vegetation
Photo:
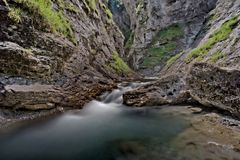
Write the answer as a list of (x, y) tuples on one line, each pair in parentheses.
[(167, 37), (15, 14), (91, 5), (174, 58), (108, 13), (220, 35), (119, 65), (129, 42), (157, 54), (55, 21), (67, 5), (216, 56), (168, 34), (139, 7)]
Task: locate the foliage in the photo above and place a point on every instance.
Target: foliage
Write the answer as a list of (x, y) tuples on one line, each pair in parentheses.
[(167, 36), (174, 58), (15, 14), (157, 54), (91, 4), (42, 12), (220, 35), (130, 40), (108, 12), (67, 5), (168, 33), (216, 56), (119, 65)]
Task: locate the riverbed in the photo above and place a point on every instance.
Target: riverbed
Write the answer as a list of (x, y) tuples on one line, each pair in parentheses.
[(108, 130)]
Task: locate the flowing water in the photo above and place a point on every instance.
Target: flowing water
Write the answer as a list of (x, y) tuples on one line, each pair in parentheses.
[(103, 130)]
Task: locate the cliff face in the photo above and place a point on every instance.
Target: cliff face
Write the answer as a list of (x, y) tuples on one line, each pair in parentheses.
[(218, 41), (162, 29), (57, 53), (206, 65)]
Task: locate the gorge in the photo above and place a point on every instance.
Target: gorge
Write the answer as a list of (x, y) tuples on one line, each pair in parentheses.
[(180, 57)]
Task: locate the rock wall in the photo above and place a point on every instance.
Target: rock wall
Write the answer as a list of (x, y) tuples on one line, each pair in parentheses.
[(208, 67), (205, 84), (64, 58), (163, 28), (217, 43)]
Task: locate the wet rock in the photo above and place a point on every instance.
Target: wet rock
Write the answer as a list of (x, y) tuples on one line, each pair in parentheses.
[(44, 70), (131, 147), (208, 138), (204, 83), (167, 90)]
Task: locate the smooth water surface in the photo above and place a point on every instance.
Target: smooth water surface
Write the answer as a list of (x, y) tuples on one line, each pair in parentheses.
[(104, 130)]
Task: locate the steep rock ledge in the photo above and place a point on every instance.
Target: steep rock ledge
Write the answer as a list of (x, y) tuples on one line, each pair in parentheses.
[(57, 53), (208, 68), (206, 84), (162, 29)]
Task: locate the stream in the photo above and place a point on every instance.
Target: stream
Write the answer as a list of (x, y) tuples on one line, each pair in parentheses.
[(104, 130)]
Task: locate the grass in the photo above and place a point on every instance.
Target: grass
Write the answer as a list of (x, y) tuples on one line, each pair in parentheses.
[(157, 54), (220, 35), (51, 20), (15, 14), (160, 54), (168, 33), (108, 13), (139, 7), (174, 58), (118, 64), (91, 4), (129, 42), (67, 5), (216, 56)]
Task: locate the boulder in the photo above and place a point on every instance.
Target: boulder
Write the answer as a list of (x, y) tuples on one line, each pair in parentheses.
[(215, 86)]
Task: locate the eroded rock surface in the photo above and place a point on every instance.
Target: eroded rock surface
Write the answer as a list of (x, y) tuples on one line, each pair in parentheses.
[(167, 90), (163, 29), (213, 86), (43, 67), (204, 83)]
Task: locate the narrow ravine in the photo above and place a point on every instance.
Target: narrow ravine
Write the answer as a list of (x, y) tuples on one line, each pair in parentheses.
[(108, 130)]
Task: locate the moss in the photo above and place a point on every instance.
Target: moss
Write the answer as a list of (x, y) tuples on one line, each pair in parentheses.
[(91, 4), (157, 54), (15, 14), (129, 42), (168, 33), (119, 65), (216, 56), (67, 6), (220, 35), (174, 58), (53, 20), (139, 7), (107, 12)]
